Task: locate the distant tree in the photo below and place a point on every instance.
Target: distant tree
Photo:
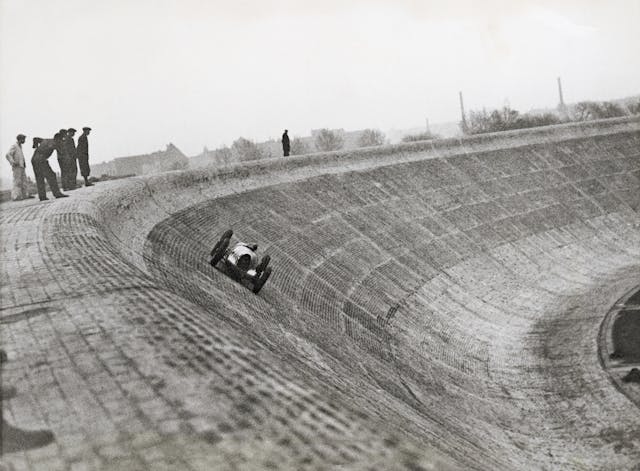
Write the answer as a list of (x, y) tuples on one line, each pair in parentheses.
[(179, 165), (586, 110), (634, 108), (423, 136), (223, 155), (532, 121), (506, 119), (299, 147), (244, 150), (609, 109), (478, 122), (327, 140), (371, 137)]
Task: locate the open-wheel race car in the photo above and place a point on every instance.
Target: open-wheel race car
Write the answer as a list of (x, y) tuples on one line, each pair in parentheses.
[(240, 262)]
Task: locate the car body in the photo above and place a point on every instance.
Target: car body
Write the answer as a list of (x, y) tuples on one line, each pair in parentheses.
[(240, 262)]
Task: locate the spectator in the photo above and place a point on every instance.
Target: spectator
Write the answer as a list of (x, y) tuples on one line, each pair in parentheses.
[(285, 143), (15, 157), (63, 160), (72, 170), (82, 152), (41, 168)]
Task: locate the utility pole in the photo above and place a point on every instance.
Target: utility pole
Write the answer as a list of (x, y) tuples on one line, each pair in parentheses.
[(464, 118)]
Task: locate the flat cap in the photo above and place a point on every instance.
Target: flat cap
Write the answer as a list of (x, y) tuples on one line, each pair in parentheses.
[(71, 130), (20, 135), (86, 128)]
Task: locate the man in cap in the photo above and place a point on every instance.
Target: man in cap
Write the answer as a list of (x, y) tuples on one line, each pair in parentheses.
[(70, 155), (82, 152), (15, 157), (41, 168)]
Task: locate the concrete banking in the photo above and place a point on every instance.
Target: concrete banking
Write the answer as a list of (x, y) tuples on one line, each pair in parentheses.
[(434, 305)]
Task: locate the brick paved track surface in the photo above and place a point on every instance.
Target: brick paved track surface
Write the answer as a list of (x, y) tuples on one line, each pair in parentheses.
[(432, 306)]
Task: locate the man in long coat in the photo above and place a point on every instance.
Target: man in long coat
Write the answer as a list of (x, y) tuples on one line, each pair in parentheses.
[(15, 157), (41, 168), (82, 153), (285, 143), (70, 154)]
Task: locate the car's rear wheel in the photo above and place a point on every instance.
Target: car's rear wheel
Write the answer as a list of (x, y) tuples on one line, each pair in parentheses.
[(262, 280), (263, 264)]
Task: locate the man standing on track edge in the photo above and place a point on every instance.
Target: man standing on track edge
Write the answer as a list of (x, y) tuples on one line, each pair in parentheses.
[(82, 153), (285, 143)]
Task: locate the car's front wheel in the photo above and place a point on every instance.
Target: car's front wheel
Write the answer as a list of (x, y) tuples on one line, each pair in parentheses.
[(220, 248)]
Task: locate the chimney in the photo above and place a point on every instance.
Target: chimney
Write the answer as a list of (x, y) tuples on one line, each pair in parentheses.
[(464, 118), (562, 108), (561, 104)]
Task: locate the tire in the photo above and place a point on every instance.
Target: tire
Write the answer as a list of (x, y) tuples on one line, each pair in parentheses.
[(263, 264), (227, 235), (218, 251), (262, 280)]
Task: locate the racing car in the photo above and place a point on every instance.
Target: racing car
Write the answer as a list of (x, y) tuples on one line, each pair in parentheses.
[(240, 262)]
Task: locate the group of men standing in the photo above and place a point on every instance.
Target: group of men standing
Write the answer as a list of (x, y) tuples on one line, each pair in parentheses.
[(70, 158)]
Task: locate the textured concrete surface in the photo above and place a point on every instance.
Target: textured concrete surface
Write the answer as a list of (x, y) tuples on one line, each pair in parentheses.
[(432, 306)]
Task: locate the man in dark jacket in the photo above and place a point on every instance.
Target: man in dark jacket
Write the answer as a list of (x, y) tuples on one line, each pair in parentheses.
[(285, 143), (82, 153), (41, 168), (63, 161), (70, 154)]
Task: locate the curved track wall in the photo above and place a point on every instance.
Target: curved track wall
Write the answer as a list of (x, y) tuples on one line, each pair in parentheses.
[(434, 304)]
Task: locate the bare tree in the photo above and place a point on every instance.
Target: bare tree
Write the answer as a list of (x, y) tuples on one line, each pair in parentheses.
[(371, 137), (611, 110), (223, 155), (586, 110), (178, 166), (244, 149), (327, 140), (423, 136), (299, 147), (478, 122), (583, 111), (506, 119)]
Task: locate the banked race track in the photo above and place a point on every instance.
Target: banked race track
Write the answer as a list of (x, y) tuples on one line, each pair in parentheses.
[(437, 305)]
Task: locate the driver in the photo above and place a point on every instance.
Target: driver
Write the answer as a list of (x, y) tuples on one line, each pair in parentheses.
[(244, 261)]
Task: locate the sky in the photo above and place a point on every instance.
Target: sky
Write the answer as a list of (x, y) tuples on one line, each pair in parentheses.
[(143, 73)]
